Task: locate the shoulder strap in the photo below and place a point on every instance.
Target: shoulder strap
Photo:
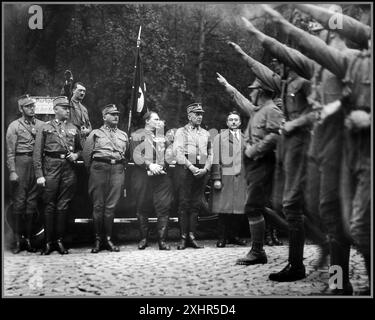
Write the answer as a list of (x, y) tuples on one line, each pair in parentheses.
[(111, 142), (32, 134)]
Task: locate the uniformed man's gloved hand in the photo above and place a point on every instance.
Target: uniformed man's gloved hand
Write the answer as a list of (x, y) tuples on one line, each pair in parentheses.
[(41, 182), (13, 177), (72, 157), (358, 119), (217, 184)]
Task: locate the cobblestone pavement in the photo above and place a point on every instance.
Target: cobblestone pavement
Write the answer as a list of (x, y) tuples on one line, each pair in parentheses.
[(153, 273)]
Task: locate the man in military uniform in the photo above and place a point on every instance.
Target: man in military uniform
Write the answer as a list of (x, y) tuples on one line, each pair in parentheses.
[(151, 181), (327, 141), (79, 115), (104, 155), (20, 138), (294, 141), (57, 146), (262, 136), (193, 149), (229, 181)]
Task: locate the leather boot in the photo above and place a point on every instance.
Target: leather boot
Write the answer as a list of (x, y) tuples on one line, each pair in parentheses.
[(96, 248), (275, 240), (192, 243), (221, 231), (162, 233), (267, 237), (17, 247), (340, 253), (29, 225), (143, 230), (289, 273), (183, 243), (60, 246), (256, 255), (48, 233), (110, 246), (48, 248), (237, 241), (60, 231)]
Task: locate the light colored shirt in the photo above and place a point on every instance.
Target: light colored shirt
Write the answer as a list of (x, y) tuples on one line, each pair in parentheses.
[(192, 146), (105, 143), (20, 138)]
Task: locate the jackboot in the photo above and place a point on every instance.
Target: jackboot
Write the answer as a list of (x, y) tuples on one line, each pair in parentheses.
[(60, 246), (17, 247), (29, 225), (294, 270), (162, 233), (340, 254), (48, 233), (96, 248), (192, 242), (60, 231), (221, 228), (183, 243), (256, 255), (110, 246), (267, 237), (275, 240), (143, 230)]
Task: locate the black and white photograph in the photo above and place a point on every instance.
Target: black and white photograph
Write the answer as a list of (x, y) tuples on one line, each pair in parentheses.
[(187, 150)]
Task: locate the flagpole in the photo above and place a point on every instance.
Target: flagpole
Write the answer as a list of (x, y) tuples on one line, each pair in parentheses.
[(134, 80)]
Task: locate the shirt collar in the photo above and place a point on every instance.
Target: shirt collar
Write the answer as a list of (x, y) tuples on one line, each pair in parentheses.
[(33, 121), (191, 127), (110, 129)]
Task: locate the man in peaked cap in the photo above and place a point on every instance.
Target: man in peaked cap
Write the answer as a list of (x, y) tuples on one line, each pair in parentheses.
[(262, 135), (193, 149), (20, 139), (104, 156), (57, 146)]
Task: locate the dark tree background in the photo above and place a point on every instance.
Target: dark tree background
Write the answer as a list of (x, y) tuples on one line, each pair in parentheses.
[(182, 46)]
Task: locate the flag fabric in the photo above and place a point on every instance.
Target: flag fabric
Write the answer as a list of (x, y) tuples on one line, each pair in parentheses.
[(139, 108)]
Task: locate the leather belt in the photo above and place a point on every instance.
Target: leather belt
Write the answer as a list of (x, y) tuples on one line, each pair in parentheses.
[(56, 155), (29, 154), (109, 161)]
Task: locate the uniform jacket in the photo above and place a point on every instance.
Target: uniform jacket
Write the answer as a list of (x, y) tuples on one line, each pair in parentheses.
[(20, 138), (56, 137), (147, 148), (106, 144), (193, 146), (264, 124)]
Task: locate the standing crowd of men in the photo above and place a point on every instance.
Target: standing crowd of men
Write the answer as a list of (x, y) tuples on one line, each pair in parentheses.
[(309, 125)]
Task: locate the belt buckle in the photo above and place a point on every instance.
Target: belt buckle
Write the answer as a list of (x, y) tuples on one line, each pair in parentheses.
[(113, 161), (62, 156)]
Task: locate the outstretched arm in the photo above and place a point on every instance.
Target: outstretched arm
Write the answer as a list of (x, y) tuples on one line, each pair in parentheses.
[(244, 104)]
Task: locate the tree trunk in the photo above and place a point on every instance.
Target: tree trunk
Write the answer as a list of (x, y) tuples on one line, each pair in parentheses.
[(202, 39)]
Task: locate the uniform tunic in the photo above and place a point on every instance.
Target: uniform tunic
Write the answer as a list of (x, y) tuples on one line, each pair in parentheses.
[(20, 138), (104, 155)]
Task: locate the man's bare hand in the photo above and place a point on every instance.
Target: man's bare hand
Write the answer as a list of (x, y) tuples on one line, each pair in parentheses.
[(249, 26), (236, 47), (72, 157), (41, 182), (200, 173), (222, 80), (217, 184), (155, 168), (13, 177), (358, 119), (330, 109), (275, 16), (288, 127), (250, 151)]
